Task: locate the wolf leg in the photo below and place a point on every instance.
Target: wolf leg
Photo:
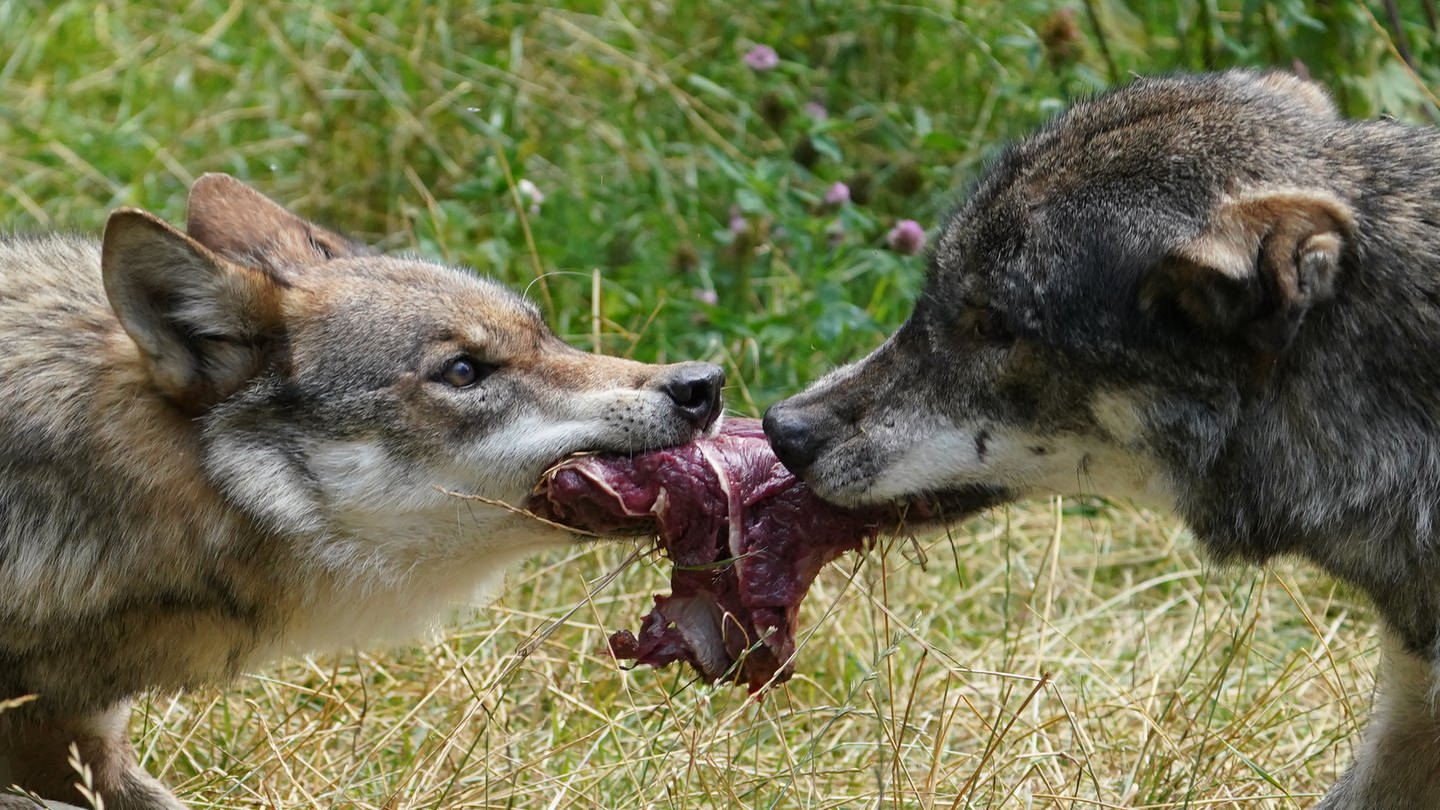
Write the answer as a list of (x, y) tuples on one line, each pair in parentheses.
[(35, 754), (1398, 764)]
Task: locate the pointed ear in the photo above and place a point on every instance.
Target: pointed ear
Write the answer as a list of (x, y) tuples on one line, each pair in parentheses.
[(1305, 92), (203, 323), (1259, 266), (242, 224)]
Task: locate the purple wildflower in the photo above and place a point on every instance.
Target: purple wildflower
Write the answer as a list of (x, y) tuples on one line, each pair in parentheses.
[(707, 297), (816, 110), (837, 195), (762, 58), (906, 237)]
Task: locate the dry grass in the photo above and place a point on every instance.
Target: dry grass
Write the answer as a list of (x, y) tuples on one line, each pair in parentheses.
[(1035, 658)]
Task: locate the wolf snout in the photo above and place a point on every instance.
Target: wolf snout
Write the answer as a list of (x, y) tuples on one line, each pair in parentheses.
[(695, 390), (792, 436)]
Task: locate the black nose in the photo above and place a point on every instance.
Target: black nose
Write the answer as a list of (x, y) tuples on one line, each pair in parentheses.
[(695, 390), (792, 437)]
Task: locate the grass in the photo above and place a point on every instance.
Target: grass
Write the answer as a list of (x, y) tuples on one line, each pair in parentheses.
[(1042, 658), (1071, 653)]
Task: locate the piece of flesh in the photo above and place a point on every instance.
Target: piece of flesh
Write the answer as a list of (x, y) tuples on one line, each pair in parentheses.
[(746, 539)]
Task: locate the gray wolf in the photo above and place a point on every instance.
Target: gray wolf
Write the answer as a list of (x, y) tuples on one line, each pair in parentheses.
[(1207, 293), (223, 444)]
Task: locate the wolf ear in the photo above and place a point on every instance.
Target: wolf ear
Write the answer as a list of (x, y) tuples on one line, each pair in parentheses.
[(1257, 268), (242, 224), (1306, 93), (202, 322)]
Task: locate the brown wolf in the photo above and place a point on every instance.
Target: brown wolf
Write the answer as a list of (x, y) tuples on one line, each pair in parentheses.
[(1209, 293), (220, 445)]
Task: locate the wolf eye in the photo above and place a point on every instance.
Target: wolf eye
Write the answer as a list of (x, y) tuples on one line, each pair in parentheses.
[(985, 326), (464, 371)]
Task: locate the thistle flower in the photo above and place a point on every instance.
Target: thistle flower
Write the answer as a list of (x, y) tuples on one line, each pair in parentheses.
[(762, 58), (805, 152), (772, 110), (907, 237), (1061, 38)]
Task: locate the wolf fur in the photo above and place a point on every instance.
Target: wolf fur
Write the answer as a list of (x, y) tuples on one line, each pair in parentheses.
[(221, 445), (1208, 293)]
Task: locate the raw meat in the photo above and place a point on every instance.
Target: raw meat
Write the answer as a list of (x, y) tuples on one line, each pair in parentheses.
[(746, 539)]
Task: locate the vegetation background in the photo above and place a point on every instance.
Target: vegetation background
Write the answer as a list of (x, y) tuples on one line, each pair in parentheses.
[(1071, 653)]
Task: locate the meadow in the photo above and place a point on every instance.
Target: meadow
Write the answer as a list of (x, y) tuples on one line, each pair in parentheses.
[(663, 189)]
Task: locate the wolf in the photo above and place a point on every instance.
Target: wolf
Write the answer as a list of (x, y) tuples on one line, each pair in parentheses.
[(227, 443), (1208, 293)]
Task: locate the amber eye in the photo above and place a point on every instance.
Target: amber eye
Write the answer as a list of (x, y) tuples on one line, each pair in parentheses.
[(985, 326), (464, 371)]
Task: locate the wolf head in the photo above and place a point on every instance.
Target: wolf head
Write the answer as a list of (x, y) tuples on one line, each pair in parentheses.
[(347, 396), (1114, 287)]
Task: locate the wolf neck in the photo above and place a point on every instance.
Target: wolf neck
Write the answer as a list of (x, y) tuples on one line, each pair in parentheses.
[(1338, 460), (378, 580), (1356, 491)]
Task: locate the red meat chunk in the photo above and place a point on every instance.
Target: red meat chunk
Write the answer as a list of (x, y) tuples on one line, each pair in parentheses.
[(746, 539)]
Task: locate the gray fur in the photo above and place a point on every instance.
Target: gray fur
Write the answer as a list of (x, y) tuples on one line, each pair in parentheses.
[(223, 445), (1208, 292)]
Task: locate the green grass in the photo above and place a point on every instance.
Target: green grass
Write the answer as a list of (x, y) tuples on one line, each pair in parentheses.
[(1071, 654)]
